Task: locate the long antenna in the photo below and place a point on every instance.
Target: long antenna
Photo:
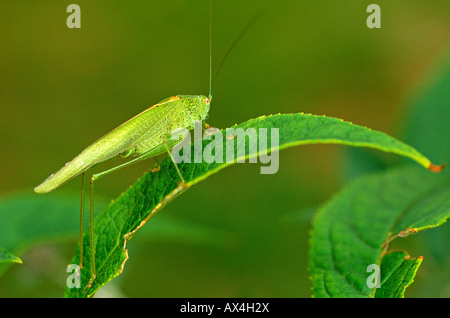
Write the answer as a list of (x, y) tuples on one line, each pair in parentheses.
[(210, 49), (249, 25)]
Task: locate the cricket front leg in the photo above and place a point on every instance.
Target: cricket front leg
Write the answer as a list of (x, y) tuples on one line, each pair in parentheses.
[(208, 129), (205, 125), (157, 165)]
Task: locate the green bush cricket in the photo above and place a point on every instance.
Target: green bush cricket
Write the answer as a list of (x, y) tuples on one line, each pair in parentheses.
[(144, 136)]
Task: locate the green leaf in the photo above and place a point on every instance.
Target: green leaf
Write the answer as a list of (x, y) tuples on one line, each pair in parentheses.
[(424, 123), (354, 229), (126, 215), (398, 271), (7, 257), (426, 126)]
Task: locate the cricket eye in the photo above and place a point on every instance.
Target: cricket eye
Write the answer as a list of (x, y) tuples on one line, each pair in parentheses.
[(207, 100)]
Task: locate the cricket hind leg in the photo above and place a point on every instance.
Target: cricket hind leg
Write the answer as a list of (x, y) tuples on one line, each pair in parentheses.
[(149, 154), (93, 178), (81, 221), (91, 232), (175, 164)]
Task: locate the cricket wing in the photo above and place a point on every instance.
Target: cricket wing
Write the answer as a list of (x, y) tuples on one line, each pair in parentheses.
[(109, 146), (67, 172), (159, 127), (117, 141)]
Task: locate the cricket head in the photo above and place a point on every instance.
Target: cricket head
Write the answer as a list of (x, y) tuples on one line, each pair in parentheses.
[(197, 106), (205, 103)]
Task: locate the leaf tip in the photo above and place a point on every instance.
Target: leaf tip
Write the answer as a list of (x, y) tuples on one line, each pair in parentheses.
[(436, 168)]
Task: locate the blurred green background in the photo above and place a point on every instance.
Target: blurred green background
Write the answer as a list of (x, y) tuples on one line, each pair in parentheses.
[(61, 89)]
